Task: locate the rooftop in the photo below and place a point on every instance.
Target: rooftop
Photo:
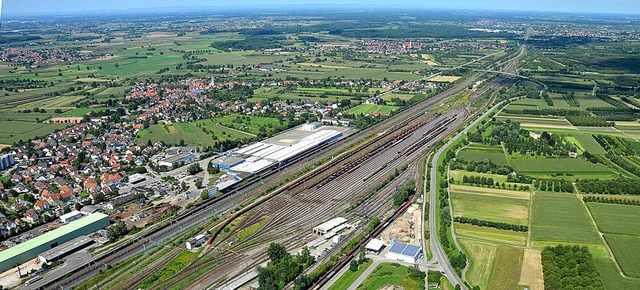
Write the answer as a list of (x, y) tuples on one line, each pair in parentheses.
[(65, 248), (51, 236), (374, 245), (405, 249), (330, 224)]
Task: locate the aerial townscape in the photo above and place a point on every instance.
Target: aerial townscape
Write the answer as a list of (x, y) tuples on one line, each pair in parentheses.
[(335, 145)]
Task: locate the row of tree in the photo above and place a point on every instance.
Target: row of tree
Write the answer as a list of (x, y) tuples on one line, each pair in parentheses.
[(615, 145), (489, 182), (625, 201), (490, 224), (569, 267), (554, 185), (589, 121), (620, 186)]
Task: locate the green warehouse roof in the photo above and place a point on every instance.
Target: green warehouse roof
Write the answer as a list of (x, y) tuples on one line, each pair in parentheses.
[(51, 237)]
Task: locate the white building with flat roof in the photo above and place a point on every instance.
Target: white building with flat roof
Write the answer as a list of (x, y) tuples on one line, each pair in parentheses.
[(329, 225), (72, 216)]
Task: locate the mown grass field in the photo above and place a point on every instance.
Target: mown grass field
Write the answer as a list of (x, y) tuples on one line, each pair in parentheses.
[(349, 277), (559, 217), (626, 249), (458, 176), (616, 218), (506, 270), (365, 109), (495, 154), (390, 274)]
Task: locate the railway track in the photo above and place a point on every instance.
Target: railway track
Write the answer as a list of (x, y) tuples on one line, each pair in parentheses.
[(207, 209)]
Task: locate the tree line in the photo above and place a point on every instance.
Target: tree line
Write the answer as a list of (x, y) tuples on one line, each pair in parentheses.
[(554, 185), (620, 186), (624, 201), (490, 224), (569, 267), (590, 121), (489, 182)]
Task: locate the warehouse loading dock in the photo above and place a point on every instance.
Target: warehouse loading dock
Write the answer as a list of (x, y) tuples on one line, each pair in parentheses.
[(65, 249)]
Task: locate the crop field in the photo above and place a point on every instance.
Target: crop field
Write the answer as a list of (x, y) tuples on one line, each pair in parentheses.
[(390, 274), (491, 208), (173, 133), (531, 275), (611, 277), (481, 256), (546, 166), (506, 270), (626, 249), (80, 112), (405, 97), (561, 217), (616, 218), (13, 131), (444, 79), (516, 197), (589, 144), (365, 109), (490, 235), (495, 154)]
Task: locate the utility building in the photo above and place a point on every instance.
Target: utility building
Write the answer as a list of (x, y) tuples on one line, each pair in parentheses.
[(30, 249), (327, 226), (404, 252)]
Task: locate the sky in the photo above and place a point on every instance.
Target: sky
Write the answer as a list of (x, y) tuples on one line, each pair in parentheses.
[(14, 7)]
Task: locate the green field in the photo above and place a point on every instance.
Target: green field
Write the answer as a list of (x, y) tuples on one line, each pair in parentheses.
[(506, 270), (365, 109), (390, 274), (495, 154), (182, 260), (490, 235), (490, 208), (349, 277), (190, 133), (80, 112), (611, 277), (626, 249), (252, 126), (13, 131), (561, 217), (545, 166), (481, 257), (616, 219), (589, 143)]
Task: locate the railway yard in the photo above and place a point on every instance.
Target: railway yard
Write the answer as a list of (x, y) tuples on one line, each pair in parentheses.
[(353, 167)]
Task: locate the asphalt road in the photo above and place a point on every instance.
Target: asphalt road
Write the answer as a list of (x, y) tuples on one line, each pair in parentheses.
[(438, 253)]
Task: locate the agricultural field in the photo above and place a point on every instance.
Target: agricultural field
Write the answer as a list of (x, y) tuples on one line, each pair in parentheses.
[(190, 133), (561, 218), (368, 109), (248, 124), (578, 168), (481, 258), (80, 112), (611, 277), (626, 249), (616, 218), (507, 267), (476, 153), (490, 204), (490, 235)]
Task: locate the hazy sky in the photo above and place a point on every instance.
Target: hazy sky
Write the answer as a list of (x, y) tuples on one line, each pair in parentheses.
[(579, 6)]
